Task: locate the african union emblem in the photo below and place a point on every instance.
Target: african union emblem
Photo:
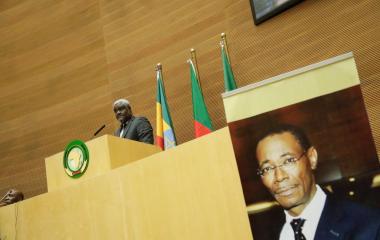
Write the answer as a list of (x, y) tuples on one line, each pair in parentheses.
[(75, 158)]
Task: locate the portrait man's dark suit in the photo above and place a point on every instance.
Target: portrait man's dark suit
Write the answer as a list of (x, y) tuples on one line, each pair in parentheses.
[(138, 129), (342, 219)]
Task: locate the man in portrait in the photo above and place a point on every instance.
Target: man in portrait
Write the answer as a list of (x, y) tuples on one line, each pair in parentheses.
[(286, 163), (131, 127)]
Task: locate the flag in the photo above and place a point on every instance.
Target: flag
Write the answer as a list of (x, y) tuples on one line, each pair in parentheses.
[(229, 80), (202, 121), (165, 137)]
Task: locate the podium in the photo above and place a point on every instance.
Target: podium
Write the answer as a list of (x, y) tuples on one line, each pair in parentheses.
[(106, 152), (190, 192)]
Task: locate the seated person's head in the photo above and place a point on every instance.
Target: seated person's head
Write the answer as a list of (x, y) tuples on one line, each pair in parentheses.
[(12, 196)]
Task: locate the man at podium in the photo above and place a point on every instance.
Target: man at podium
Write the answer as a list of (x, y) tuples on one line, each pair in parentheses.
[(131, 127)]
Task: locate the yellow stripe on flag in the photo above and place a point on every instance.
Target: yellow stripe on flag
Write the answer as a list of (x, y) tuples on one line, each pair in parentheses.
[(159, 128)]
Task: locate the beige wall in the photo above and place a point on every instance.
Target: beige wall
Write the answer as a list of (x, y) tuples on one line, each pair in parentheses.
[(63, 62)]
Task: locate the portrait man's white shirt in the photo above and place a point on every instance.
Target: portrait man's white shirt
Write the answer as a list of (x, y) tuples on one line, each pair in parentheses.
[(312, 213)]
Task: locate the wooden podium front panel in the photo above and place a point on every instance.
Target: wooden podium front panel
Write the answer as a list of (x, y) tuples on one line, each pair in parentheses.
[(106, 153), (123, 151), (191, 192), (88, 210), (98, 164)]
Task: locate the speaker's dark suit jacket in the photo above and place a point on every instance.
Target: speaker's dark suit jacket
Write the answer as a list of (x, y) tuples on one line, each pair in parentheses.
[(138, 129), (346, 220)]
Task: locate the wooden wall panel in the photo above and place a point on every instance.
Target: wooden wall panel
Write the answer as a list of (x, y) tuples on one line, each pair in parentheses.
[(54, 85), (138, 35), (311, 32), (62, 63)]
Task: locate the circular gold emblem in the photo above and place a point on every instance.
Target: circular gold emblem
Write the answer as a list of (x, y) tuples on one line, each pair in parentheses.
[(75, 158)]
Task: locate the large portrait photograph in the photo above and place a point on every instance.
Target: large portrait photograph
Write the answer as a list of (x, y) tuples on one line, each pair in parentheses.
[(315, 160)]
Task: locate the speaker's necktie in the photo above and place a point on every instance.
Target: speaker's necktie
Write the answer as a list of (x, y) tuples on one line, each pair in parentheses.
[(122, 130), (297, 228)]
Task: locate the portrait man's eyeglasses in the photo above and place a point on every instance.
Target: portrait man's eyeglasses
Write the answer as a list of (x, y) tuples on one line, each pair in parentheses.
[(288, 162)]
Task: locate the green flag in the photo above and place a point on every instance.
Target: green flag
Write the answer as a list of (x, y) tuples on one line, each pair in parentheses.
[(229, 80), (202, 121)]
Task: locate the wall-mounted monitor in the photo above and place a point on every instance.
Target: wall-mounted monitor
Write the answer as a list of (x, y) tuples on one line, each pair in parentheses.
[(265, 9)]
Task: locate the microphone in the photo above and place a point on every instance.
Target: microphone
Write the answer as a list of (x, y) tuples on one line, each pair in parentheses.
[(100, 129)]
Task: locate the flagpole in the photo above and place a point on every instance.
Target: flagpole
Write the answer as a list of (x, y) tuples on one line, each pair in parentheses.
[(229, 79), (194, 59), (168, 139), (158, 67), (224, 42), (159, 121)]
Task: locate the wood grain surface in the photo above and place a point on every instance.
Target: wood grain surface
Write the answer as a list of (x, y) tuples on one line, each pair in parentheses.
[(62, 63)]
